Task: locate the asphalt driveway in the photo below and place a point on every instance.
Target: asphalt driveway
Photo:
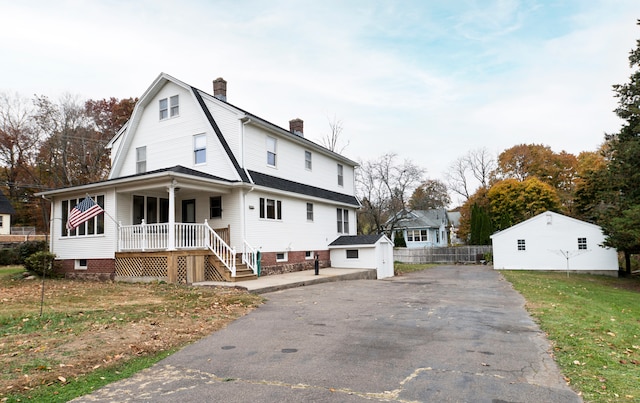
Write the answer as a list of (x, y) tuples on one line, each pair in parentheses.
[(449, 334)]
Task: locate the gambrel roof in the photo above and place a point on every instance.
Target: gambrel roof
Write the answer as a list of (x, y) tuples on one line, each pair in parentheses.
[(423, 219)]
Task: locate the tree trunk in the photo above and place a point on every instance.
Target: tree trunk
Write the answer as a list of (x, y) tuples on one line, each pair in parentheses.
[(627, 264)]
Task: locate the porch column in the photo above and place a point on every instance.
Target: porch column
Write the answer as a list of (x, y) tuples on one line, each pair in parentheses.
[(171, 242)]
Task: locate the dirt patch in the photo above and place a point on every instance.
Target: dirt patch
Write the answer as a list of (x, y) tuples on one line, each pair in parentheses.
[(90, 325)]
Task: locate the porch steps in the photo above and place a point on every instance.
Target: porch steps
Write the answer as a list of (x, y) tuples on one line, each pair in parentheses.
[(243, 272)]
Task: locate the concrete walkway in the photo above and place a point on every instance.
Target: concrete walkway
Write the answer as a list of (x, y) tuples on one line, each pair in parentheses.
[(278, 282)]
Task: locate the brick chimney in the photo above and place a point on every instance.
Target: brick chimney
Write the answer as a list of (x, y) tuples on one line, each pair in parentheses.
[(296, 126), (220, 89)]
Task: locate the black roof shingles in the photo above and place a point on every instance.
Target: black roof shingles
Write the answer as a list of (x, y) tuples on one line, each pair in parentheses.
[(300, 188), (347, 240), (5, 205)]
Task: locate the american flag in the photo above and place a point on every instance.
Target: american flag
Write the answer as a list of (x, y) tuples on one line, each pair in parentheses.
[(84, 211)]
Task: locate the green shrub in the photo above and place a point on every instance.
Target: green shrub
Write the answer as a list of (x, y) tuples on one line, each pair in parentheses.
[(40, 263), (28, 248), (9, 257)]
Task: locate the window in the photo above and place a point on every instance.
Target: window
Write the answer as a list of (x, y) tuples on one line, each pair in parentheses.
[(93, 226), (521, 245), (270, 209), (175, 106), (582, 243), (150, 209), (307, 160), (308, 255), (141, 159), (281, 257), (164, 109), (80, 264), (352, 253), (169, 107), (1, 221), (215, 207), (271, 151), (200, 149), (417, 235), (309, 211), (343, 221), (340, 175)]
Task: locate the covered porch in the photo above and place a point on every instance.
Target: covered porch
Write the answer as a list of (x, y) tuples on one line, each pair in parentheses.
[(181, 253)]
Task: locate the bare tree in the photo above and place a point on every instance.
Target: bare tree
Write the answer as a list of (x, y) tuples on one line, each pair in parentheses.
[(476, 164), (333, 138), (18, 141), (383, 186)]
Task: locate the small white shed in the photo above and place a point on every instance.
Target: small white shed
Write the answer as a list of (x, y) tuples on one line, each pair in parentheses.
[(552, 241), (363, 252)]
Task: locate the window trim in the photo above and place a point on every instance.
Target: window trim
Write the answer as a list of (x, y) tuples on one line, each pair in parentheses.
[(340, 175), (582, 243), (309, 255), (141, 161), (342, 218), (90, 228), (308, 162), (214, 208), (264, 209), (310, 212), (284, 258), (272, 152), (169, 107), (202, 150), (352, 254)]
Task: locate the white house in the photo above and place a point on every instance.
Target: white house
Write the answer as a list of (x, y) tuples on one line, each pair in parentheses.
[(6, 211), (552, 241), (198, 186), (363, 252)]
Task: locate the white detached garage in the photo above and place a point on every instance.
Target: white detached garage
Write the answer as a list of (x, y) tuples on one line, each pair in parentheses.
[(552, 241), (363, 252)]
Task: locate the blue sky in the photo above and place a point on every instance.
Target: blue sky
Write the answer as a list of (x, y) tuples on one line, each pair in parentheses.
[(429, 80)]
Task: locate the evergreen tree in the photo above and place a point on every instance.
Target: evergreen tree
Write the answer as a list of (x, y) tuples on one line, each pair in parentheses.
[(622, 195)]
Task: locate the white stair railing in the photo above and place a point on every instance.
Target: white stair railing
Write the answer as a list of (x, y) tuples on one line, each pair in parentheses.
[(250, 257), (225, 253)]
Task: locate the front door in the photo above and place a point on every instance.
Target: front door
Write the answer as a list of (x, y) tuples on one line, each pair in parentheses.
[(189, 211)]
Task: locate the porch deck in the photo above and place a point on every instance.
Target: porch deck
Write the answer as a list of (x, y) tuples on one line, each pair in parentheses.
[(181, 253)]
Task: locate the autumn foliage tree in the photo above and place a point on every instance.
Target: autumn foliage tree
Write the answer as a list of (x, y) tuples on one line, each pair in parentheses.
[(430, 194)]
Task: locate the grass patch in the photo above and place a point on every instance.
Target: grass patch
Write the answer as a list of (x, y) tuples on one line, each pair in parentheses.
[(402, 268), (93, 333), (593, 324)]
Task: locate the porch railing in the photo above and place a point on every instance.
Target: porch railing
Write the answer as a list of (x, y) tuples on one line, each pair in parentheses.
[(225, 253), (250, 257), (151, 237)]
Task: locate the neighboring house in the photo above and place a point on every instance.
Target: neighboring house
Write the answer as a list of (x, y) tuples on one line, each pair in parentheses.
[(6, 211), (363, 252), (198, 186), (423, 228), (552, 241)]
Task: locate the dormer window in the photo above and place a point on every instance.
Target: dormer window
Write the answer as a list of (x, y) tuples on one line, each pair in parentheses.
[(169, 107)]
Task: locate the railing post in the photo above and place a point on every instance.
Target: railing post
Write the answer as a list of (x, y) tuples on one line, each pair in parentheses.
[(119, 236), (144, 235)]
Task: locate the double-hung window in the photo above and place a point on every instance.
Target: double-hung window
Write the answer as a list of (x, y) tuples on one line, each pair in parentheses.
[(215, 207), (169, 107), (309, 211), (343, 220), (272, 144), (307, 160), (270, 209), (340, 175), (141, 159), (200, 148)]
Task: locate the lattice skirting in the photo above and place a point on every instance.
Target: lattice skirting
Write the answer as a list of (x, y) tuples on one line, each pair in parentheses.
[(142, 266), (156, 265)]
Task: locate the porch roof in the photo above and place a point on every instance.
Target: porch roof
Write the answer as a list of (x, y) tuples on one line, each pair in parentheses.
[(177, 171)]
